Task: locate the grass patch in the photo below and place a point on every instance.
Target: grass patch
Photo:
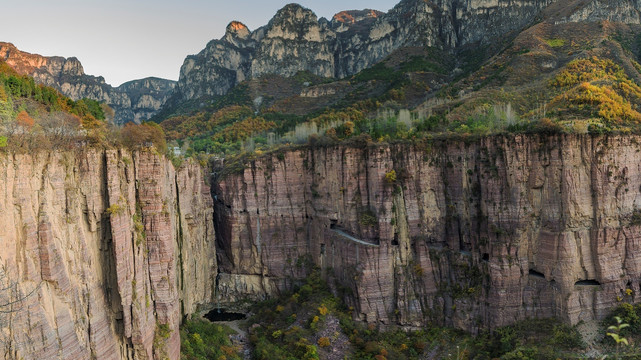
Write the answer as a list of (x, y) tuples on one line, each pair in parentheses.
[(203, 340), (555, 43)]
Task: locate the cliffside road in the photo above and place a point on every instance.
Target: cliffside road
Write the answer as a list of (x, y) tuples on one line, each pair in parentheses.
[(349, 237), (533, 178)]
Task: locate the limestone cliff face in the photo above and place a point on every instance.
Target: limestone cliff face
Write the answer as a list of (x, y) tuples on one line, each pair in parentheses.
[(107, 250), (469, 234), (625, 11), (135, 101), (147, 96), (296, 40)]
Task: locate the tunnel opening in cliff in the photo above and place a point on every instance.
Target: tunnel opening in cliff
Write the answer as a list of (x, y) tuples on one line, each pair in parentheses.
[(587, 283), (536, 274), (217, 315)]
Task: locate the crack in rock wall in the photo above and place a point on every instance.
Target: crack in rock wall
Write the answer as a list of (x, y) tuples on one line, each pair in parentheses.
[(104, 249)]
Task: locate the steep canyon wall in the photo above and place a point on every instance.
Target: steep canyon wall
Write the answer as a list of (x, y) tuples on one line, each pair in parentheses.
[(108, 249), (104, 251), (471, 234)]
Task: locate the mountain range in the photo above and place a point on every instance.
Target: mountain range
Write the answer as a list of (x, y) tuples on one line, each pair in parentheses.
[(134, 101), (458, 163), (296, 41)]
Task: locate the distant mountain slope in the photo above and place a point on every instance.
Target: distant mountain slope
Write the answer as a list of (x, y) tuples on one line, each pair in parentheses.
[(460, 67), (296, 40), (134, 101)]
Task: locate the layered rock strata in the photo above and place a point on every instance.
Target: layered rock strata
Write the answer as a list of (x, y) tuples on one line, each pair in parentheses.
[(471, 234), (102, 253)]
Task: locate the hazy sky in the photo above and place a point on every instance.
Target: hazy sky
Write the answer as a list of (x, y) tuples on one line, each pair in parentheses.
[(124, 40)]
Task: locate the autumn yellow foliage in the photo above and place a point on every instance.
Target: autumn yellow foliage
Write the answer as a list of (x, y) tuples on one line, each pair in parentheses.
[(599, 88), (586, 70), (323, 342), (243, 129)]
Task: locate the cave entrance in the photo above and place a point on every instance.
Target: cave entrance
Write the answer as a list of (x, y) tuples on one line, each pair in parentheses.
[(395, 240), (536, 274), (587, 283), (224, 315)]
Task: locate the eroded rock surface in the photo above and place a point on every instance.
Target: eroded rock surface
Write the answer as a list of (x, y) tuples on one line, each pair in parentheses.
[(296, 40), (472, 235), (107, 249)]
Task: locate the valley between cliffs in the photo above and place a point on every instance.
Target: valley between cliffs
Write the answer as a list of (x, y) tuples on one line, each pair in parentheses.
[(113, 248)]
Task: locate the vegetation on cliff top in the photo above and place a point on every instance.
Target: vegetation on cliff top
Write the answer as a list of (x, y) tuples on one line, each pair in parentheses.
[(34, 116), (573, 78), (563, 78)]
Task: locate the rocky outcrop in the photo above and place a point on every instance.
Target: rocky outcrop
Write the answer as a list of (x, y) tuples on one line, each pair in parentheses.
[(105, 251), (147, 96), (470, 234), (624, 11), (135, 101), (296, 40)]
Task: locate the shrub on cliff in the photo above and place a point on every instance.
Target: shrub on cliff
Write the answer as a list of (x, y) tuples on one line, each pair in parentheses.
[(145, 135), (629, 314), (203, 340)]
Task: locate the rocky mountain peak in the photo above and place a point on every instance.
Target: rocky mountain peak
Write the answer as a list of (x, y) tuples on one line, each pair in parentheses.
[(73, 67), (294, 22), (237, 29), (296, 40), (354, 16), (293, 11)]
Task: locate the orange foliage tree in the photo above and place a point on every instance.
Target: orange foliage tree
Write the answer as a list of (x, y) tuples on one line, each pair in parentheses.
[(23, 119)]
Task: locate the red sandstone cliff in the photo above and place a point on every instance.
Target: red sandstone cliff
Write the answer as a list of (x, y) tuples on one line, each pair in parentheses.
[(113, 245), (473, 234)]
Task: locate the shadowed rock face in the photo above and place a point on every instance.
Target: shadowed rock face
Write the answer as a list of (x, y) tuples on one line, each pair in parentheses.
[(135, 101), (471, 235), (296, 40), (114, 247)]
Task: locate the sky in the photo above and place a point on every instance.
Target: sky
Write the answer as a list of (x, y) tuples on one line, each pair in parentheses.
[(124, 40)]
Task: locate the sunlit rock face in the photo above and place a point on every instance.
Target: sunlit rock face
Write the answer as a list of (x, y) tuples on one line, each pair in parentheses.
[(134, 101), (296, 40)]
